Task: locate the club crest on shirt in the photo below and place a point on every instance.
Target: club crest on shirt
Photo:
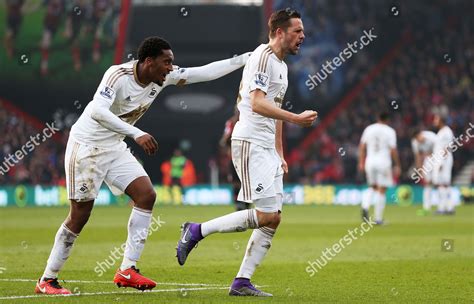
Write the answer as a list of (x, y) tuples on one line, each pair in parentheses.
[(259, 188), (152, 93), (261, 79), (107, 92)]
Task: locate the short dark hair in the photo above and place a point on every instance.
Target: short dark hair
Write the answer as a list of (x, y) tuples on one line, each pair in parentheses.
[(442, 116), (152, 47), (416, 132), (383, 116), (281, 19)]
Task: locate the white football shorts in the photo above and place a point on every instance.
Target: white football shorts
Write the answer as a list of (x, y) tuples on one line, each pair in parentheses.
[(378, 175), (259, 170), (428, 174), (442, 172), (88, 167)]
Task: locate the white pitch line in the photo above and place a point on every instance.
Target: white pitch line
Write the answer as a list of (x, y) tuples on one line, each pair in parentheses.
[(112, 292), (111, 282)]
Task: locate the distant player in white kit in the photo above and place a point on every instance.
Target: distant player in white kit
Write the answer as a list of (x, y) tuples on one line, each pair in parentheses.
[(257, 151), (96, 153), (422, 145), (443, 165), (377, 148)]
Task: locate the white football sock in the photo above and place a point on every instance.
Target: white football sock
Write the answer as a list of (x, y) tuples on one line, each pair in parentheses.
[(379, 206), (138, 225), (367, 198), (259, 243), (232, 222), (450, 205), (442, 199), (61, 249), (427, 198)]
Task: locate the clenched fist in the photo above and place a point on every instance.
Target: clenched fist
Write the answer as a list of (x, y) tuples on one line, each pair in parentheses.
[(306, 118), (148, 143)]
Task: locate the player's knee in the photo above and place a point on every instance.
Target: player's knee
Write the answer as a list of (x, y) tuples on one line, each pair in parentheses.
[(278, 216), (276, 219), (83, 216), (77, 220), (269, 219), (80, 211), (148, 199)]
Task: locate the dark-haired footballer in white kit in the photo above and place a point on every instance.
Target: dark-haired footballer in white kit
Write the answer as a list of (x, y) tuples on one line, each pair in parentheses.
[(257, 151), (422, 145), (96, 153), (377, 149), (443, 164)]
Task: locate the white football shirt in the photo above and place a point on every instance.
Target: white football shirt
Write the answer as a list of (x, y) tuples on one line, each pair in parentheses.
[(427, 145), (379, 140), (263, 71), (444, 138), (128, 99)]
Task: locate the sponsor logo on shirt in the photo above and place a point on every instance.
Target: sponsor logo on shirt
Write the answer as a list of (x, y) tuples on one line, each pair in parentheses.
[(107, 92), (261, 79), (280, 96)]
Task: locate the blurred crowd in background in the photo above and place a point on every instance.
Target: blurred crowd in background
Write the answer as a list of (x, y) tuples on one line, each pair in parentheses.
[(88, 26), (45, 165), (432, 72)]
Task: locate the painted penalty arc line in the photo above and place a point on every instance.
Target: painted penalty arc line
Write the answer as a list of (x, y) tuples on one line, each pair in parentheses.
[(111, 293)]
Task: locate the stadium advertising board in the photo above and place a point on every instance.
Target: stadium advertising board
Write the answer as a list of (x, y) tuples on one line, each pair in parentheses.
[(348, 195), (344, 195), (22, 196)]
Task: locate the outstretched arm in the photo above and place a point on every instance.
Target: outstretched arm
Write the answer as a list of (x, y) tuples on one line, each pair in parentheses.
[(208, 72), (216, 69)]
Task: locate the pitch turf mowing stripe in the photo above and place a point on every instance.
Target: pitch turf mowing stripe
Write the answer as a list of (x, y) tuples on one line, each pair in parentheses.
[(110, 282), (112, 293)]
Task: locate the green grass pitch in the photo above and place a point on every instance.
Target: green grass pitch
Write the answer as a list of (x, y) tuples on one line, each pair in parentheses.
[(402, 262)]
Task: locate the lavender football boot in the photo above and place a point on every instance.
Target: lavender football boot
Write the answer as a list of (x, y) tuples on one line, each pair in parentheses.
[(243, 287), (190, 237)]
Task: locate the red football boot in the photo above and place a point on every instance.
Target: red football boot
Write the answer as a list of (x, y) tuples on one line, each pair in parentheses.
[(131, 277), (50, 287)]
